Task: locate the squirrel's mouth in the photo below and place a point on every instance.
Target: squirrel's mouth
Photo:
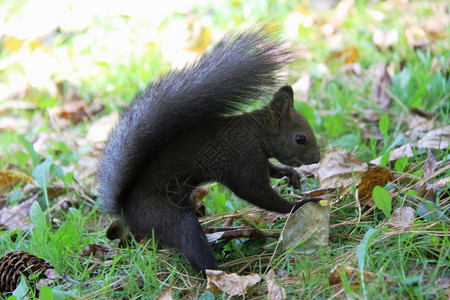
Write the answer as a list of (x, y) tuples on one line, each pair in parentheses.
[(297, 162)]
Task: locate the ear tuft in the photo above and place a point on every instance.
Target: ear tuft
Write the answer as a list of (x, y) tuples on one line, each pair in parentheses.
[(288, 90)]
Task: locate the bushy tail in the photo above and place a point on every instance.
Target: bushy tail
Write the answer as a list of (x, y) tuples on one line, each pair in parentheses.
[(239, 69)]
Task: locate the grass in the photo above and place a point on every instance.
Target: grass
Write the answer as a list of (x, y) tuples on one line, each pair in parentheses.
[(409, 263)]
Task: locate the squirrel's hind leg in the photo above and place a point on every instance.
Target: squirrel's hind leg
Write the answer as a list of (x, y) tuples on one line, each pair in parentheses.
[(188, 236), (173, 227)]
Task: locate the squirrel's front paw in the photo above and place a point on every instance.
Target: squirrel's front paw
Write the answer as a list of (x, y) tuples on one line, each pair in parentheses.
[(293, 177), (299, 204)]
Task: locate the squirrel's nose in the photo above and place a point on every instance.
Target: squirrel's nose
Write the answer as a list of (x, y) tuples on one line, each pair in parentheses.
[(316, 157)]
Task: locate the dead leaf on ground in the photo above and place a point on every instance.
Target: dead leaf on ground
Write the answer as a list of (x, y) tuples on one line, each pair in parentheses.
[(307, 229), (416, 37), (274, 290), (301, 87), (267, 217), (402, 151), (99, 130), (384, 39), (306, 170), (435, 65), (16, 216), (166, 294), (96, 248), (232, 284), (239, 232), (371, 178), (426, 190), (15, 124), (340, 168), (438, 138), (402, 218), (322, 193), (342, 57), (353, 276), (72, 112), (9, 179), (430, 165), (381, 84), (337, 17), (8, 105), (420, 120)]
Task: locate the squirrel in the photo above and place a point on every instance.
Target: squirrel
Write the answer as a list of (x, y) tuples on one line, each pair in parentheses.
[(190, 128)]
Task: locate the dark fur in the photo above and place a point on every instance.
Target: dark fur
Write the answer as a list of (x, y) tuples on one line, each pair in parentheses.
[(180, 133)]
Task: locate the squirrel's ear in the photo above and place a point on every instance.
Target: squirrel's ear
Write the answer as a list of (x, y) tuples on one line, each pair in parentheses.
[(279, 107), (288, 90), (282, 101)]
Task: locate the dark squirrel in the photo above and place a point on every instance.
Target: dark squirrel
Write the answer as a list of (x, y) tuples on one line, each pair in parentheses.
[(184, 131)]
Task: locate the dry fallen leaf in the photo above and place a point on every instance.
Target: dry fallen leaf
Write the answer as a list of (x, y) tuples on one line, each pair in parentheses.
[(337, 17), (416, 37), (16, 216), (402, 151), (274, 290), (402, 218), (96, 248), (301, 87), (340, 168), (438, 138), (232, 284), (99, 130), (373, 177), (8, 179), (381, 84), (420, 120), (384, 39), (345, 56), (166, 294), (352, 274), (307, 229)]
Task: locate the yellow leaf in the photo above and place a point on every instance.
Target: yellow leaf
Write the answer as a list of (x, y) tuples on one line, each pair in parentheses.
[(8, 179)]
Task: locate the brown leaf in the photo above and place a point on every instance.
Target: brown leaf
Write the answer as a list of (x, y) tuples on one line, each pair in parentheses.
[(232, 284), (384, 39), (17, 216), (94, 248), (9, 179), (430, 165), (267, 217), (353, 276), (72, 111), (166, 294), (322, 193), (340, 168), (16, 104), (200, 207), (99, 130), (274, 290), (239, 232), (348, 55), (402, 217), (438, 138), (301, 87), (337, 17), (416, 37), (307, 229), (373, 177), (420, 120), (435, 65), (381, 83), (402, 151)]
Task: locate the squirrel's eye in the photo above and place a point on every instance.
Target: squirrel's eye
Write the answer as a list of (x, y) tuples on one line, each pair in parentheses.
[(300, 139)]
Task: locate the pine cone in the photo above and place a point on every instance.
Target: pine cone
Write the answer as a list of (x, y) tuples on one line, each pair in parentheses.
[(12, 264)]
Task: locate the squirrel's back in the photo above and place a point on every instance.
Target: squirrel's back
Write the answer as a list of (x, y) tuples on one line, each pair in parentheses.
[(239, 69)]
